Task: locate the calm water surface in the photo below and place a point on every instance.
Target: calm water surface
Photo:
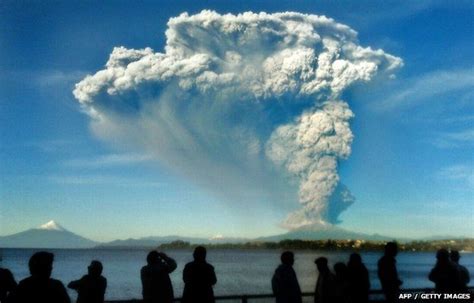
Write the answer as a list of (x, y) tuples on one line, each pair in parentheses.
[(238, 271)]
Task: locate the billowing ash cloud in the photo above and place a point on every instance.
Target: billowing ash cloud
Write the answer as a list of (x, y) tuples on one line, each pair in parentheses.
[(242, 103)]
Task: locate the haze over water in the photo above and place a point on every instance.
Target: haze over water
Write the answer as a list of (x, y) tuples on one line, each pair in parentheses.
[(238, 271)]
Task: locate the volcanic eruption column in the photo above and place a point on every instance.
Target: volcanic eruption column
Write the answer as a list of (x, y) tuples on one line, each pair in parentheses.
[(249, 96)]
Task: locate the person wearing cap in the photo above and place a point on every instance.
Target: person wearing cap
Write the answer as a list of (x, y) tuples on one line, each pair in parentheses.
[(91, 287)]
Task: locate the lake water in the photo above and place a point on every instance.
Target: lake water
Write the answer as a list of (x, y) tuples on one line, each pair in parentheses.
[(238, 271)]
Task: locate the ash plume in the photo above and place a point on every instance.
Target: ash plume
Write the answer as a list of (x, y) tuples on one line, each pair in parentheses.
[(242, 104)]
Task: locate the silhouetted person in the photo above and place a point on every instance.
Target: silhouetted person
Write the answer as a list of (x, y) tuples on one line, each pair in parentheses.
[(199, 278), (341, 285), (387, 272), (155, 278), (324, 290), (7, 283), (284, 281), (91, 287), (358, 279), (39, 287), (445, 273), (464, 277)]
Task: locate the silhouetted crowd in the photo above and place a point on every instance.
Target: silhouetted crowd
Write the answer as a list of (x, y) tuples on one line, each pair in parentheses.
[(347, 283)]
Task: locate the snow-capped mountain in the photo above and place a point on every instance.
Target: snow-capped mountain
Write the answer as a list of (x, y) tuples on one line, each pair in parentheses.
[(52, 225), (48, 235)]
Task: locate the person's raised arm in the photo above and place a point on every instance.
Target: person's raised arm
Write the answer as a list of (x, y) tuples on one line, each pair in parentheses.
[(74, 284), (170, 262)]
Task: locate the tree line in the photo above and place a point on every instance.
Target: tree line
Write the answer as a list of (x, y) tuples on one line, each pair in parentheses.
[(350, 245)]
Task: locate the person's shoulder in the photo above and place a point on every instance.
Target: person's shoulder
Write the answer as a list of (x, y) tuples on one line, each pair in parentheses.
[(280, 268), (25, 282), (5, 273), (101, 279), (191, 265), (386, 260), (463, 268), (364, 269), (56, 283), (454, 265)]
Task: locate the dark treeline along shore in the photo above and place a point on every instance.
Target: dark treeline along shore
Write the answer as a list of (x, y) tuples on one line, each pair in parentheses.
[(346, 282), (343, 245)]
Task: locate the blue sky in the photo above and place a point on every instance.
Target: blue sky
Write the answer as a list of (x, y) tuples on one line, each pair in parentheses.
[(411, 169)]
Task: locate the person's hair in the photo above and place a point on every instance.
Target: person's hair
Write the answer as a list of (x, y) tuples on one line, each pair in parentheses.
[(95, 268), (200, 253), (454, 255), (41, 263), (152, 257), (442, 255), (321, 261), (287, 257), (355, 258), (391, 248), (340, 267)]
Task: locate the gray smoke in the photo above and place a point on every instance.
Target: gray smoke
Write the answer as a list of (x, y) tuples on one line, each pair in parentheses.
[(242, 103)]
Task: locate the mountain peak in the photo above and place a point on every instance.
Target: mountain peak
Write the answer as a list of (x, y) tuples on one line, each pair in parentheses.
[(52, 225), (217, 237)]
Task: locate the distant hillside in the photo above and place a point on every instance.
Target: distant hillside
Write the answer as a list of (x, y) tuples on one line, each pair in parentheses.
[(152, 242), (333, 233), (442, 237), (147, 242), (53, 235), (49, 235), (466, 245)]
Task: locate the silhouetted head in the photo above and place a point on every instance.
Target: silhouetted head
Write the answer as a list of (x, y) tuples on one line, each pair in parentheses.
[(152, 257), (455, 256), (95, 268), (391, 249), (200, 254), (355, 259), (322, 264), (340, 269), (442, 255), (41, 264), (287, 258)]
